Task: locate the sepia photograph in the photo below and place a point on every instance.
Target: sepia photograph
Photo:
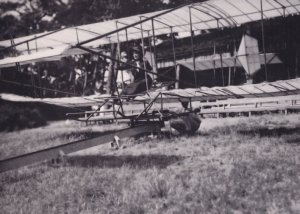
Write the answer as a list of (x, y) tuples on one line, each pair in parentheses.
[(150, 106)]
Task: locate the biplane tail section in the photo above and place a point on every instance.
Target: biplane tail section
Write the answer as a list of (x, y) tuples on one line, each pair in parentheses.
[(248, 55)]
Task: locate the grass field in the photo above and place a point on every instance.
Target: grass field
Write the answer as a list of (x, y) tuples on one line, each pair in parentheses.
[(232, 165)]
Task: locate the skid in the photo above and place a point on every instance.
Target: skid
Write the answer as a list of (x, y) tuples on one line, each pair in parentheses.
[(50, 153)]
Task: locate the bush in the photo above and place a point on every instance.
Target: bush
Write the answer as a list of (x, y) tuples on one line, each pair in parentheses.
[(15, 118)]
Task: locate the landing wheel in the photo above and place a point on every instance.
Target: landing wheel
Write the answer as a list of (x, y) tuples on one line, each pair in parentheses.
[(187, 124)]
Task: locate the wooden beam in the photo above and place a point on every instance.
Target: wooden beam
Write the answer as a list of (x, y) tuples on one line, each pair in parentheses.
[(50, 153)]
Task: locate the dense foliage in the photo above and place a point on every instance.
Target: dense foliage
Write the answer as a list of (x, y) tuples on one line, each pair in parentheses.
[(20, 18)]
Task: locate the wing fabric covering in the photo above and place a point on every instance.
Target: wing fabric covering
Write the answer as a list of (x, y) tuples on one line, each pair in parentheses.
[(248, 54), (205, 15), (266, 89)]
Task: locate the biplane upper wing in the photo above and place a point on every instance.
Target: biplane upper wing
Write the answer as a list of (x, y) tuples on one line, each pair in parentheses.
[(54, 54), (47, 55), (210, 14)]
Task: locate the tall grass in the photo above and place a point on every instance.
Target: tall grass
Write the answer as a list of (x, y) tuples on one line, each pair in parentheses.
[(232, 165)]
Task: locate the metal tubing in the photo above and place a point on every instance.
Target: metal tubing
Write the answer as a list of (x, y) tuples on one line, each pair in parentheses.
[(177, 76), (235, 58), (214, 61), (148, 107), (221, 12), (159, 22), (202, 11), (77, 37), (36, 47), (173, 49), (150, 49), (285, 42), (127, 45), (28, 49), (143, 54), (147, 71), (12, 42), (119, 55), (229, 75), (131, 25), (192, 44), (99, 107), (263, 38), (222, 69), (221, 58), (154, 44)]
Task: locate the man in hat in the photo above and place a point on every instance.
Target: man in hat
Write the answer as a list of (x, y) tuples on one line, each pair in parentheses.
[(125, 76), (142, 80)]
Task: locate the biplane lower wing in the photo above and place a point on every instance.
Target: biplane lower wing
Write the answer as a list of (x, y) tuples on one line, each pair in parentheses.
[(266, 89), (69, 102)]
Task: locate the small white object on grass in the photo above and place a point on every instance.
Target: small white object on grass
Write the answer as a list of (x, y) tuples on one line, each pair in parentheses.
[(67, 122), (116, 142)]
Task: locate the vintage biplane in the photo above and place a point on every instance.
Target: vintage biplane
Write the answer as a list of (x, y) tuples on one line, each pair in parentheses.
[(148, 111)]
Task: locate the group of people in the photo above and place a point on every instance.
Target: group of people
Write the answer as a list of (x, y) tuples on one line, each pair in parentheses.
[(87, 75)]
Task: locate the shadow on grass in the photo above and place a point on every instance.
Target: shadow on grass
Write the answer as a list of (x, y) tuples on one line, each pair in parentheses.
[(87, 134), (91, 134), (141, 161), (266, 132), (294, 140)]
